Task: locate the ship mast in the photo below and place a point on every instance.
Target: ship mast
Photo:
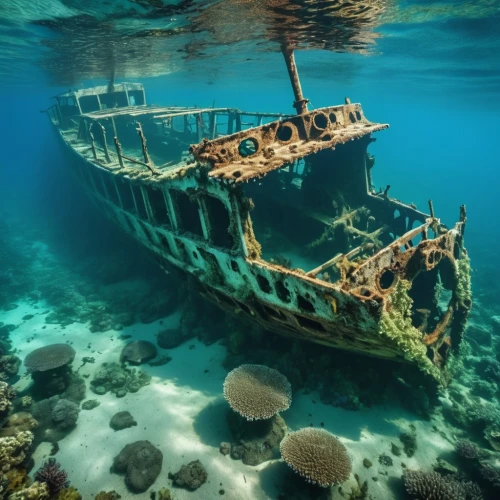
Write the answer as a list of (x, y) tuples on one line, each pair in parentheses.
[(300, 103)]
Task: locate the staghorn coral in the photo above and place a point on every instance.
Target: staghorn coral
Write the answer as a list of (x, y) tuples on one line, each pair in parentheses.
[(37, 491), (316, 455), (257, 392), (49, 357), (52, 474), (431, 486), (13, 449)]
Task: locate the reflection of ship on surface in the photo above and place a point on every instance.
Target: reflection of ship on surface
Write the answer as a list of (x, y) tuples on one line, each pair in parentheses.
[(259, 193)]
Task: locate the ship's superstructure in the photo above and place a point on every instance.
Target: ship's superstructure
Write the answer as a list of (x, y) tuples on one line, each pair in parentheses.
[(275, 217)]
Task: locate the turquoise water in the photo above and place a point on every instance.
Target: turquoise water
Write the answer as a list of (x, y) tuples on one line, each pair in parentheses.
[(429, 69)]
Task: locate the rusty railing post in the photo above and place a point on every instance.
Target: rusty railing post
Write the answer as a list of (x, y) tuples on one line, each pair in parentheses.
[(92, 141), (118, 147), (144, 146), (105, 143), (300, 103)]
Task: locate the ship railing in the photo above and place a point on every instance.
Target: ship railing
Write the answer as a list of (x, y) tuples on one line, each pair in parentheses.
[(196, 124)]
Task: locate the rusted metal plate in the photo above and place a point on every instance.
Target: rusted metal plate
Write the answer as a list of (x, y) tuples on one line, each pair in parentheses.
[(256, 152)]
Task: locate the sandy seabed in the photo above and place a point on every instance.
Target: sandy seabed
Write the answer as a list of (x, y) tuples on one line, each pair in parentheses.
[(182, 412)]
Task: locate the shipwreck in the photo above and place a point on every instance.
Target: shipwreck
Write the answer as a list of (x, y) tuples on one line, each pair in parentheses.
[(275, 217)]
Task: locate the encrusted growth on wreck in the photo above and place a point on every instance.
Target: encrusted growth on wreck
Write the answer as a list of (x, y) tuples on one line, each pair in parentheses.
[(275, 218), (396, 324)]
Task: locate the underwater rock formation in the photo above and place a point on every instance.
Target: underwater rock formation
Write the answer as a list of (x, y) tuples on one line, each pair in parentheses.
[(316, 455), (90, 404), (138, 352), (117, 379), (122, 420), (255, 442), (53, 476), (141, 462), (190, 476)]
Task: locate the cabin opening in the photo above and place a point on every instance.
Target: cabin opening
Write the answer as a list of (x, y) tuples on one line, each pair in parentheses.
[(309, 211)]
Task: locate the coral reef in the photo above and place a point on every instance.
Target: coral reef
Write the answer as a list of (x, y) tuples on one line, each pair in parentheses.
[(65, 413), (467, 449), (117, 379), (56, 417), (432, 486), (257, 392), (141, 462), (50, 369), (122, 420), (49, 357), (7, 394), (18, 422), (190, 476), (14, 449), (138, 352), (37, 491), (9, 366), (52, 475), (316, 455)]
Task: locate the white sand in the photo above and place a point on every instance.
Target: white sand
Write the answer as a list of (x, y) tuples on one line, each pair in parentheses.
[(182, 412)]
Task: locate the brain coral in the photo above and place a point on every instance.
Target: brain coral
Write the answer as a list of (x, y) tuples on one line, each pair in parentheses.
[(257, 392), (316, 455), (49, 357)]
